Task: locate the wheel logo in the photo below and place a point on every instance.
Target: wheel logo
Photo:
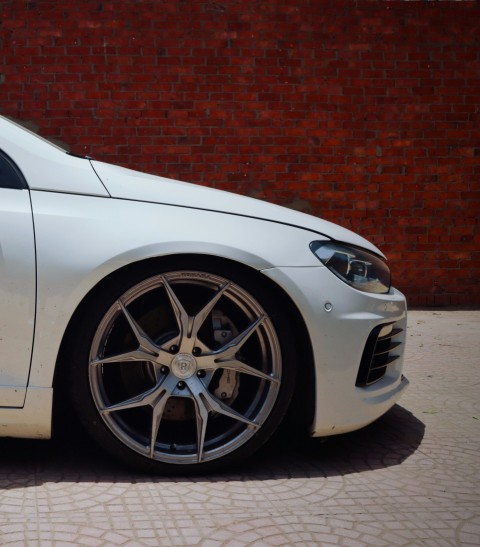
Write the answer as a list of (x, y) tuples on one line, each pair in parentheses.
[(184, 365)]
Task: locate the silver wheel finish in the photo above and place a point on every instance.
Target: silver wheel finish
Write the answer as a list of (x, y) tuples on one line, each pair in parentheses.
[(185, 367)]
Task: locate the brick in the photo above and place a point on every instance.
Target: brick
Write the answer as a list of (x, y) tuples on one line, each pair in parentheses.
[(377, 129)]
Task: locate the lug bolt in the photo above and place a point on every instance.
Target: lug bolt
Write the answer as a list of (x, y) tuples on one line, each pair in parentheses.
[(196, 351), (181, 385), (201, 373), (164, 370), (174, 349)]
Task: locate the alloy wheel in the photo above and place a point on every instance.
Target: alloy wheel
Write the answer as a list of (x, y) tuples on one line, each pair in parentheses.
[(185, 367)]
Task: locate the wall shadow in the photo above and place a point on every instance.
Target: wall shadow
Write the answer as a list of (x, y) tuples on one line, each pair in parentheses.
[(290, 454)]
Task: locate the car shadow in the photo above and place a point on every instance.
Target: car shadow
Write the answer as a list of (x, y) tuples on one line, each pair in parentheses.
[(289, 454)]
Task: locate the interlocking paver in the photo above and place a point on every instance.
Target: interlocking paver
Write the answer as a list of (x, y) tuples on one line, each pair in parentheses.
[(412, 478)]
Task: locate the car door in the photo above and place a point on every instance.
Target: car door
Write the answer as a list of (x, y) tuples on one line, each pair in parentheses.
[(17, 283)]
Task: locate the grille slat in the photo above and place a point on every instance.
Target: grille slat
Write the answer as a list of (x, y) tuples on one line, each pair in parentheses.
[(392, 334), (393, 345), (390, 359), (377, 354)]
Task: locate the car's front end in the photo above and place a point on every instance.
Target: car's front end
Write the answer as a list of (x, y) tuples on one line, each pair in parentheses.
[(358, 343), (339, 282), (179, 318)]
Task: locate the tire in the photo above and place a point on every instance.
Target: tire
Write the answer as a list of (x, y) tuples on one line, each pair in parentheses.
[(183, 368)]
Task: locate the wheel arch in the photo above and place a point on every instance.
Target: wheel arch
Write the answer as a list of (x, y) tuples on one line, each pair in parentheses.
[(303, 402)]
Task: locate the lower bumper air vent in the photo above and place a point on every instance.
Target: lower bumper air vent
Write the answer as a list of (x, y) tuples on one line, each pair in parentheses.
[(378, 354)]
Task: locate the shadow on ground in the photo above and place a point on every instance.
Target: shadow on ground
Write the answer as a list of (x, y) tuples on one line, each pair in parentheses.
[(74, 457)]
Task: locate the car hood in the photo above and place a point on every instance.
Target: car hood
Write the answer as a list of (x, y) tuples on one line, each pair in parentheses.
[(122, 183)]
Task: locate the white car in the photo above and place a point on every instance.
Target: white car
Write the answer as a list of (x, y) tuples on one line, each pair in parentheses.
[(178, 321)]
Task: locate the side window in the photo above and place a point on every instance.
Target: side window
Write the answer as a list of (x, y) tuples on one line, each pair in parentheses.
[(10, 174)]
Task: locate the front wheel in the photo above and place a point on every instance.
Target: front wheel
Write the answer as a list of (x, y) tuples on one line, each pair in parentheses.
[(183, 369)]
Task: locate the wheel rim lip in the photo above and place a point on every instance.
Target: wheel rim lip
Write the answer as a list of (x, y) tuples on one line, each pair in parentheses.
[(261, 404)]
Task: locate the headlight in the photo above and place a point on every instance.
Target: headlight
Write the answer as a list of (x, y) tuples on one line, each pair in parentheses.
[(359, 268)]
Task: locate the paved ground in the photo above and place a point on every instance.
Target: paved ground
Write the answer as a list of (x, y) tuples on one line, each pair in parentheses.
[(413, 478)]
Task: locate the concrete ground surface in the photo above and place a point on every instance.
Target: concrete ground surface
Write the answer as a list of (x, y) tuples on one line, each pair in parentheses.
[(412, 478)]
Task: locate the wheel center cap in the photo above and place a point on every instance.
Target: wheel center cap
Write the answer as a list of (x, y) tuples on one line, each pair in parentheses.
[(184, 365)]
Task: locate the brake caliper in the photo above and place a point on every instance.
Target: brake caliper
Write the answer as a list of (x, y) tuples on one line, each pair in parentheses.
[(224, 331)]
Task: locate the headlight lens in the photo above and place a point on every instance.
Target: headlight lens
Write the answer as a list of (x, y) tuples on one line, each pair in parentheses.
[(359, 268)]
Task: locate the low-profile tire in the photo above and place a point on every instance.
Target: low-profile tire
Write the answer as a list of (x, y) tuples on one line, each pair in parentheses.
[(181, 367)]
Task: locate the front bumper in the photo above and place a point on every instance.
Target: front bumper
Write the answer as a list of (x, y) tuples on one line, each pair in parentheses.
[(339, 321)]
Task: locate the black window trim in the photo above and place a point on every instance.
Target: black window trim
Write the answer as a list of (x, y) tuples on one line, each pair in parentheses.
[(20, 182)]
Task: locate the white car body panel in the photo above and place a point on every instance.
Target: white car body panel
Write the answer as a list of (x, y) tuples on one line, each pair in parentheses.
[(33, 420), (90, 219), (127, 184), (45, 166), (17, 294)]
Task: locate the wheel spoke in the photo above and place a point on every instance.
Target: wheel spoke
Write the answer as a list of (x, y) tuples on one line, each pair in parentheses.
[(188, 325), (144, 342), (238, 366), (229, 350), (136, 355), (142, 399), (157, 398), (146, 351), (203, 314), (205, 398), (201, 419), (224, 358), (150, 397), (205, 403), (182, 317), (222, 408), (157, 410)]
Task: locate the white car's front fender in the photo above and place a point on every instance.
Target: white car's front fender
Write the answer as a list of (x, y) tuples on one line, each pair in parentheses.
[(82, 239)]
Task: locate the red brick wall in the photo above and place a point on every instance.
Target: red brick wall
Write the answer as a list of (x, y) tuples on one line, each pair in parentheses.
[(366, 113)]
